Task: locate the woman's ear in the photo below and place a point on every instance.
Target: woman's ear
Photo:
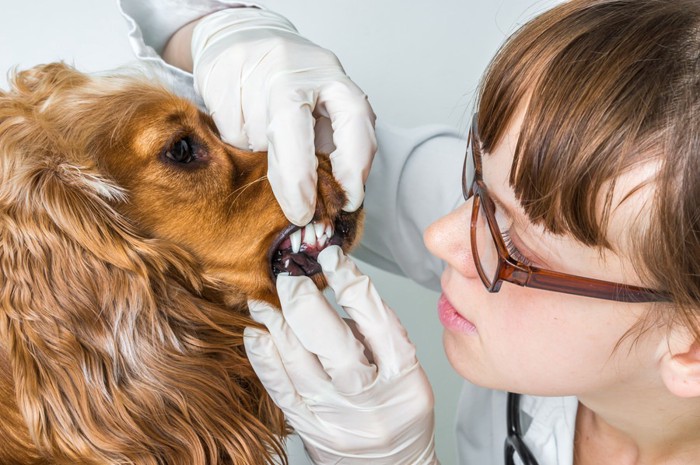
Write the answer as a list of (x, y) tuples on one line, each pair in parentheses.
[(680, 368)]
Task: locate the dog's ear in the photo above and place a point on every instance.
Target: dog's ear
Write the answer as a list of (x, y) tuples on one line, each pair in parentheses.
[(33, 86), (43, 179), (74, 274), (115, 340)]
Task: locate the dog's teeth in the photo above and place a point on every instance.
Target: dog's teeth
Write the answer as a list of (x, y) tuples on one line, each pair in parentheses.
[(329, 231), (295, 237), (322, 240), (320, 228), (310, 234)]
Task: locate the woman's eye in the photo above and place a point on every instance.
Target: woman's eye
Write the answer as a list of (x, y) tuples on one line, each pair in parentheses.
[(181, 151), (513, 250)]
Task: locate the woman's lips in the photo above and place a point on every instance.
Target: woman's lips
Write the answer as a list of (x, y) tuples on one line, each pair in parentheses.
[(452, 320)]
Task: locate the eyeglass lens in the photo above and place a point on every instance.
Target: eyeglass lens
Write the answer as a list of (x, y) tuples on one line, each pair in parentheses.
[(486, 249)]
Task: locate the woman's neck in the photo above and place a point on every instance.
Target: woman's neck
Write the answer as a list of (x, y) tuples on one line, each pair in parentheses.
[(638, 431)]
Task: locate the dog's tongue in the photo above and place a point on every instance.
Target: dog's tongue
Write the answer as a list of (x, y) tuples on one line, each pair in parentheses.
[(300, 264)]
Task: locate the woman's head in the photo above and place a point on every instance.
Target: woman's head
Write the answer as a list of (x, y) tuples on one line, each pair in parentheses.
[(607, 86), (587, 122)]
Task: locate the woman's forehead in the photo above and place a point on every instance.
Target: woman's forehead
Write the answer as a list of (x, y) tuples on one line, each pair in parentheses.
[(628, 196), (631, 204), (496, 167)]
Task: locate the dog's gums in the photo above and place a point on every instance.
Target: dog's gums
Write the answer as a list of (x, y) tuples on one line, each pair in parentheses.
[(296, 248)]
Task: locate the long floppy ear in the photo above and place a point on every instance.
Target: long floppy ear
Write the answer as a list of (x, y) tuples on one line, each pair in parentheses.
[(120, 350)]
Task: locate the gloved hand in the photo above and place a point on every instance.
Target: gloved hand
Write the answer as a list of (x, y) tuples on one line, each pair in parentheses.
[(351, 400), (266, 86)]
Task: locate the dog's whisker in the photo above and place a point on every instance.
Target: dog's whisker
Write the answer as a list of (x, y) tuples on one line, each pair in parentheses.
[(240, 191)]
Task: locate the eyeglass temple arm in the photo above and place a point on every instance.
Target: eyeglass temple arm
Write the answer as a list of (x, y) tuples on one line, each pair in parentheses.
[(588, 287)]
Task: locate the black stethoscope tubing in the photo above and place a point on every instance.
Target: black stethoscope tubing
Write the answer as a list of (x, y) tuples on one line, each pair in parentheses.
[(514, 439)]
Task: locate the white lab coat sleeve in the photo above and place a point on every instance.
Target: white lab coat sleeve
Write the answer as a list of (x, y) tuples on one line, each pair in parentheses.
[(415, 179), (155, 21), (151, 23)]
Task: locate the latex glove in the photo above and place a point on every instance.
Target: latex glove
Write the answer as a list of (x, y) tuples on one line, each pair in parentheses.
[(345, 408), (266, 86)]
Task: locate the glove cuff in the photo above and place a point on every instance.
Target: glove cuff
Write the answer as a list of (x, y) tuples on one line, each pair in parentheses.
[(215, 34), (222, 25), (428, 456), (327, 457)]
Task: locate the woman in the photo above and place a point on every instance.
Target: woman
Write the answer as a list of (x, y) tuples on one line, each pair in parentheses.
[(571, 273)]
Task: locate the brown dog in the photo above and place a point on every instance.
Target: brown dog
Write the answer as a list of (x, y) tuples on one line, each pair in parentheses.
[(130, 239)]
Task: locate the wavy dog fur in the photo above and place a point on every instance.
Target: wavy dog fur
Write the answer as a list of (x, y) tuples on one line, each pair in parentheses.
[(125, 276)]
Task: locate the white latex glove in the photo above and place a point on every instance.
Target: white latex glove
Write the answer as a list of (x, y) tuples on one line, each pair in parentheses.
[(347, 408), (266, 86)]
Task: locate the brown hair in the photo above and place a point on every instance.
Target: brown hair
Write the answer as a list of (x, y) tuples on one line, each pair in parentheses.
[(607, 85), (117, 346)]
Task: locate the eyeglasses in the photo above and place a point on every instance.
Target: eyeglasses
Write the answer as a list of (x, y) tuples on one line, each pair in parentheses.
[(495, 264)]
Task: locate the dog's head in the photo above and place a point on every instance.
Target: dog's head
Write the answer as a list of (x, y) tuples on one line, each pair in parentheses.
[(158, 162), (130, 238)]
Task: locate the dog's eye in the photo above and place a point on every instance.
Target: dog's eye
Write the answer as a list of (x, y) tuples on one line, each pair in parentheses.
[(182, 151)]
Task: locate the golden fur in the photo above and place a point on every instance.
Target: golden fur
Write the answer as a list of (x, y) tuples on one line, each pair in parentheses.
[(124, 278)]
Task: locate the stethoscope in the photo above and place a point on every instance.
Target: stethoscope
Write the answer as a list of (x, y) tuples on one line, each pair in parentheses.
[(514, 438)]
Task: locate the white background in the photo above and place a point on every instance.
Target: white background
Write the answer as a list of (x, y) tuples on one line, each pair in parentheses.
[(419, 62)]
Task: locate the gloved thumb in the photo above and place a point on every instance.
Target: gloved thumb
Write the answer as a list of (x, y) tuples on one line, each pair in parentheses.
[(384, 335)]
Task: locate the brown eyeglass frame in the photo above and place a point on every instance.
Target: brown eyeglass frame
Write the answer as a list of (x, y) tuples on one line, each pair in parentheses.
[(511, 270)]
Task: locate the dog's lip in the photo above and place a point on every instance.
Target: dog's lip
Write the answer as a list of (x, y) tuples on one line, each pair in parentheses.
[(291, 228)]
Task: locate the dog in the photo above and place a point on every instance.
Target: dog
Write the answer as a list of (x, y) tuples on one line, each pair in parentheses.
[(131, 238)]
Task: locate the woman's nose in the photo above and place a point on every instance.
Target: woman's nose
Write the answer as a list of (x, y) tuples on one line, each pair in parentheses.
[(448, 239)]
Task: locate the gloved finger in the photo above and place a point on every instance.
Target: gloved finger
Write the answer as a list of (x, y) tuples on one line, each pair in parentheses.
[(267, 364), (292, 161), (265, 359), (222, 99), (303, 368), (254, 111), (324, 333), (354, 291), (353, 120)]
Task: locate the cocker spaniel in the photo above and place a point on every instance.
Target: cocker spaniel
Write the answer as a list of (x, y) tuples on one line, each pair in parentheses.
[(131, 237)]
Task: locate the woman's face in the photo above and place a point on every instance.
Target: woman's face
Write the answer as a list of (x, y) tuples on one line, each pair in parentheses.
[(535, 341)]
